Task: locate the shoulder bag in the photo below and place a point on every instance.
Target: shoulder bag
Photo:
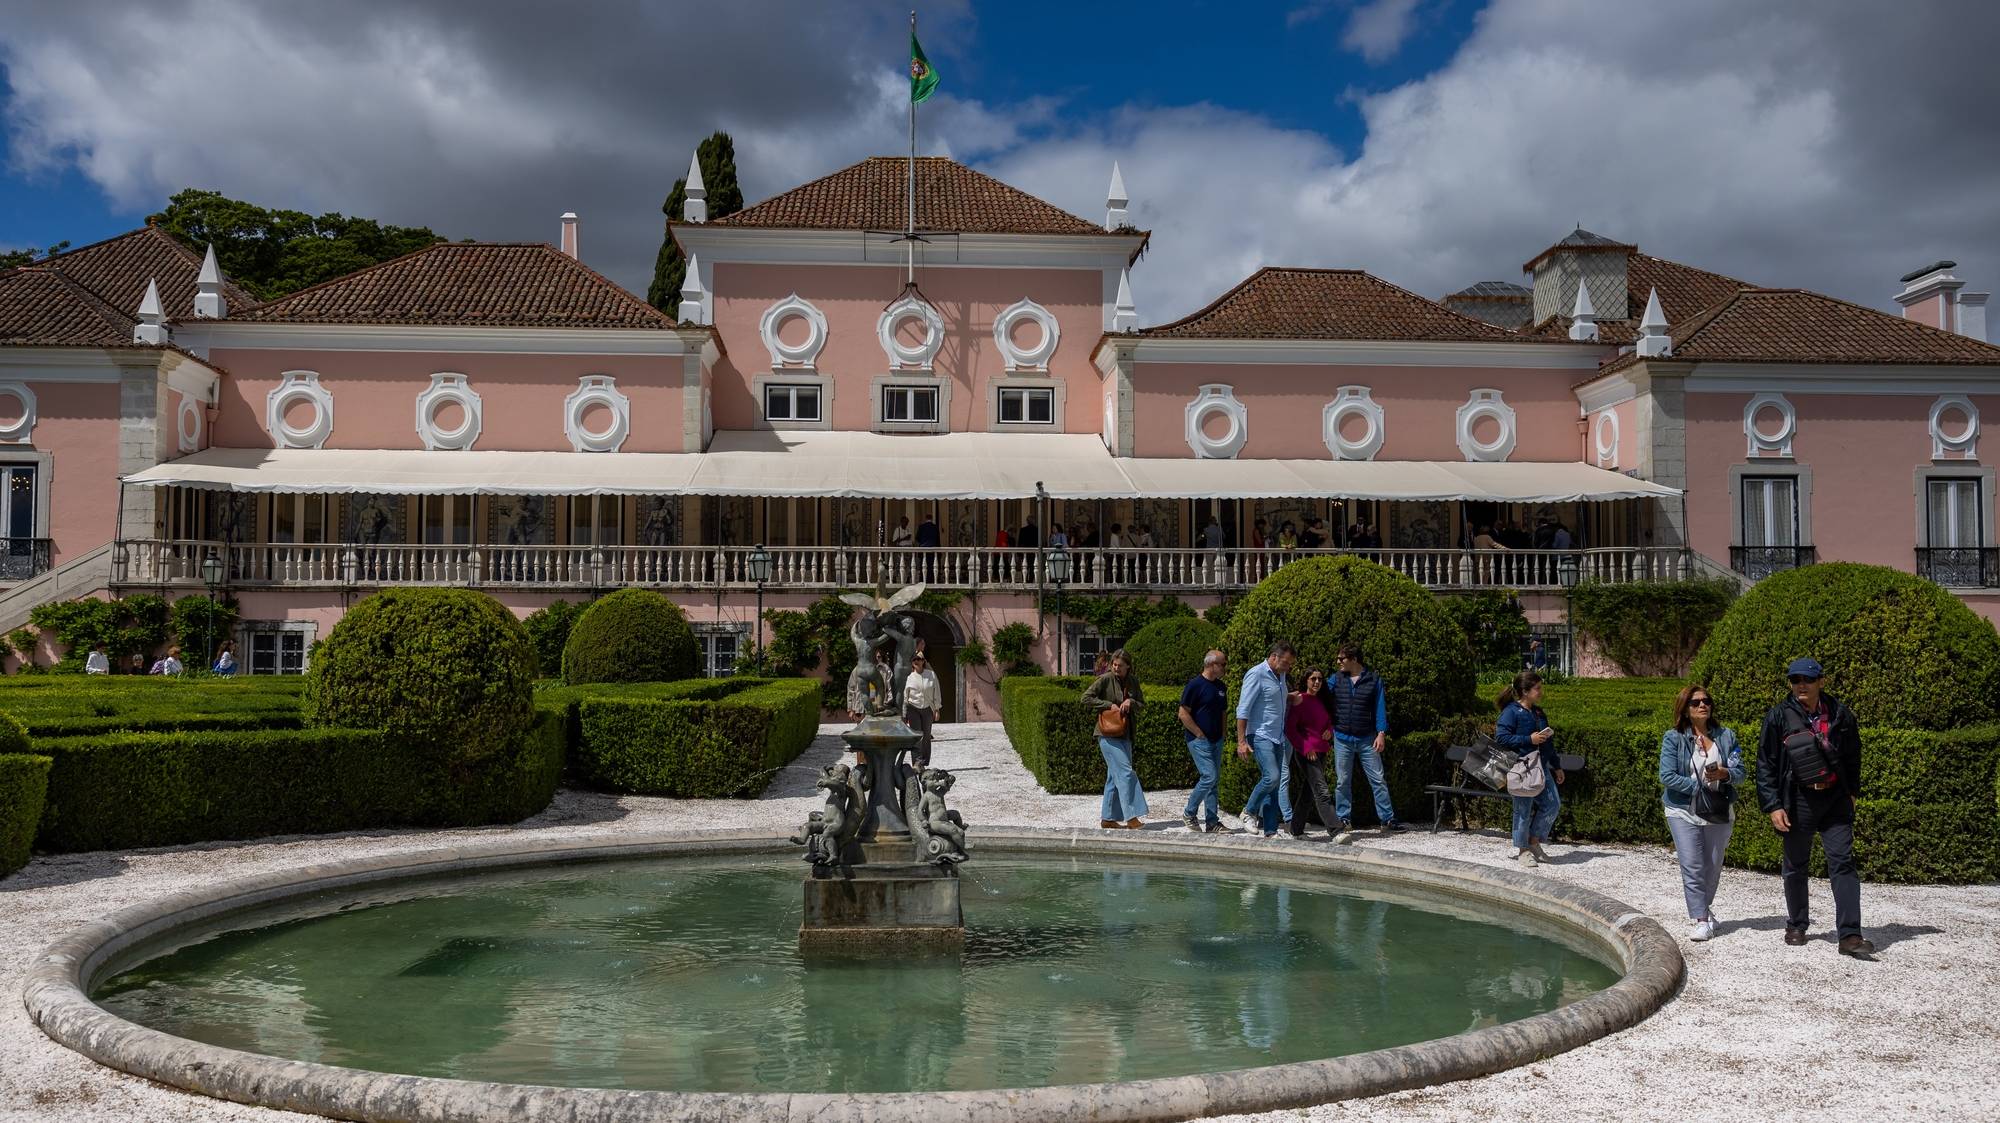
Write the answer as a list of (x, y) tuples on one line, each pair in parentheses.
[(1803, 748), (1710, 804), (1112, 723), (1527, 777)]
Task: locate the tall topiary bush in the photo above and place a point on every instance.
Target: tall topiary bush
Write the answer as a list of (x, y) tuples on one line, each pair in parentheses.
[(1651, 627), (1316, 604), (449, 668), (1897, 648), (1170, 649), (548, 631), (633, 635)]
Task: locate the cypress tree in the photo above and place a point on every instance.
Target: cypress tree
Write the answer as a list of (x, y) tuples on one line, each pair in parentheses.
[(717, 155)]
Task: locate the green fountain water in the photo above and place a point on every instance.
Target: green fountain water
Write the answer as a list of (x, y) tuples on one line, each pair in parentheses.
[(686, 975)]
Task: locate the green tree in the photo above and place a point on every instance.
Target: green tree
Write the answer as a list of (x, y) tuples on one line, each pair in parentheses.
[(274, 252), (718, 176), (14, 259)]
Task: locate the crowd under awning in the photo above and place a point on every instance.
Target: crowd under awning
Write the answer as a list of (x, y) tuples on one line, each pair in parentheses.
[(887, 466)]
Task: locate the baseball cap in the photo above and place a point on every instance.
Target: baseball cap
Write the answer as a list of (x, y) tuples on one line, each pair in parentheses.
[(1809, 668)]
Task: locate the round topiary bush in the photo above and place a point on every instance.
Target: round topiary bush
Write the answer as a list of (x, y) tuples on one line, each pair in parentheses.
[(633, 635), (1317, 604), (1896, 648), (1170, 649), (443, 668)]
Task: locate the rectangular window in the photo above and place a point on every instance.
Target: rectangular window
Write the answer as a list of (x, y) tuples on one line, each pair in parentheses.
[(597, 520), (278, 651), (1087, 646), (1770, 511), (1955, 532), (23, 557), (1028, 405), (788, 402), (910, 403), (719, 647)]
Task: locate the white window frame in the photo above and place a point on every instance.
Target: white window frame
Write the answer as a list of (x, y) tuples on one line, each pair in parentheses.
[(1025, 397), (246, 643), (43, 463), (1802, 482), (707, 635), (1989, 535), (763, 383), (1080, 661), (910, 399), (789, 392), (880, 389)]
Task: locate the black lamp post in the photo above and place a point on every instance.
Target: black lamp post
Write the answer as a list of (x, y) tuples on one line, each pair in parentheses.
[(1057, 565), (211, 576), (759, 564), (1568, 571)]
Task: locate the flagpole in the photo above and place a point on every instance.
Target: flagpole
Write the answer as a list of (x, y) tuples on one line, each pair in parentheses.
[(910, 198)]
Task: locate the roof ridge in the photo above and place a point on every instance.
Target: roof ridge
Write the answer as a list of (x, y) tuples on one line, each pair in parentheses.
[(614, 286), (1213, 304), (1440, 306), (114, 321), (361, 272), (1918, 324)]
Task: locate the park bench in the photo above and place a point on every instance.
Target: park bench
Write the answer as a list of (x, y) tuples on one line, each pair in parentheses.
[(1460, 787)]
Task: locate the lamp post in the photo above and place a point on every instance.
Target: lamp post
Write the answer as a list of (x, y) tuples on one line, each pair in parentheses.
[(1057, 565), (1567, 574), (211, 576), (759, 564)]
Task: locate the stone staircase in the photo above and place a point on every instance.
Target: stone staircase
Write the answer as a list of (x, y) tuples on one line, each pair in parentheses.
[(80, 576)]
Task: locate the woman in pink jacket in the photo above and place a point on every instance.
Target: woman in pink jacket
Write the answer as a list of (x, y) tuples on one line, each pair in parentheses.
[(1309, 727)]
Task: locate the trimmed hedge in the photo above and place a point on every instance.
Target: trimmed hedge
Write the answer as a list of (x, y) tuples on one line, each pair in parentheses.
[(449, 672), (1650, 627), (1171, 649), (700, 739), (1897, 648), (162, 789), (1319, 603), (24, 784), (633, 635)]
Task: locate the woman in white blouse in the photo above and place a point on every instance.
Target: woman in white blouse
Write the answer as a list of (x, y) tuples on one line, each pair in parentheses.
[(920, 707)]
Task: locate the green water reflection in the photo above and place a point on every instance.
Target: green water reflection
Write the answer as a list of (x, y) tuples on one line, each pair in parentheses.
[(686, 976)]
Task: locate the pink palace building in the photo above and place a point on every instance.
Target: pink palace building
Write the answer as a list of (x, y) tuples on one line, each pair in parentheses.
[(500, 416)]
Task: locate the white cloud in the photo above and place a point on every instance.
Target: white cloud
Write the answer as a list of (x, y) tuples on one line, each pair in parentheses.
[(1377, 29)]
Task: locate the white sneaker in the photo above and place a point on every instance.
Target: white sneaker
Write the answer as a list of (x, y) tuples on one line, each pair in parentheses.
[(1701, 930), (1526, 858)]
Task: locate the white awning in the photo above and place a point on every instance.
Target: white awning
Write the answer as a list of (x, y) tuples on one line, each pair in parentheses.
[(407, 472), (897, 466), (872, 465)]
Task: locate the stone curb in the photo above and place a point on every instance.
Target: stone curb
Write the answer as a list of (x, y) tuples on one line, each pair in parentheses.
[(60, 978)]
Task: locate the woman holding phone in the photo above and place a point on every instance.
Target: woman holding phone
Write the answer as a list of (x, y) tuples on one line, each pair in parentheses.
[(1523, 728), (1700, 766)]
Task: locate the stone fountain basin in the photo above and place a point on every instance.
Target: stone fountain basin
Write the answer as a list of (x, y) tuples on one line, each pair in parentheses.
[(62, 977)]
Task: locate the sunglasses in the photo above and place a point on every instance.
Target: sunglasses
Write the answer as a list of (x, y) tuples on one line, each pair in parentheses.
[(1797, 679), (1700, 702)]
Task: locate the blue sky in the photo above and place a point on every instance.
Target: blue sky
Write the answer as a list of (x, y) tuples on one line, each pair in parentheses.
[(1829, 144)]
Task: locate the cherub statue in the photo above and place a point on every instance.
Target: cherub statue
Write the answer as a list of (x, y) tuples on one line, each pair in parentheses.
[(900, 629), (868, 633), (939, 831), (826, 833), (868, 682)]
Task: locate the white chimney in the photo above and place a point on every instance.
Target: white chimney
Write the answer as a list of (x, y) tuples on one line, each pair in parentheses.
[(152, 327), (1653, 340), (1124, 314), (1929, 294), (208, 300), (694, 299), (695, 209), (1583, 316), (1115, 200), (569, 234)]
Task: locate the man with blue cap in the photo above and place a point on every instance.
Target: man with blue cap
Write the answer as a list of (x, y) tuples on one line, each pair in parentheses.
[(1808, 777)]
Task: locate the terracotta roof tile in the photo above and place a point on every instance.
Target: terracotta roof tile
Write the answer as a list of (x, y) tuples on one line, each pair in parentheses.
[(1798, 326), (1684, 291), (39, 307), (117, 269), (950, 196), (489, 284), (1288, 303)]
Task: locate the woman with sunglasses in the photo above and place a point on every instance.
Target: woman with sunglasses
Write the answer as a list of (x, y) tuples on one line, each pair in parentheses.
[(1309, 727), (1700, 765)]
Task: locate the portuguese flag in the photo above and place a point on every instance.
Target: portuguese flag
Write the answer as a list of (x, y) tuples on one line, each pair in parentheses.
[(923, 79)]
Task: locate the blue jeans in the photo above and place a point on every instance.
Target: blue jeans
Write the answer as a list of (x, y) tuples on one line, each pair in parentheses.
[(1345, 751), (1274, 777), (1207, 756), (1123, 798), (1535, 814)]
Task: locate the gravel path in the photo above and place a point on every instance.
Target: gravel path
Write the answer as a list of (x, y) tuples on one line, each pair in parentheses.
[(1762, 1031)]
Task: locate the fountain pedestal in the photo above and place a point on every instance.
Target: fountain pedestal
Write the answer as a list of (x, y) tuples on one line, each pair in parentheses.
[(881, 892)]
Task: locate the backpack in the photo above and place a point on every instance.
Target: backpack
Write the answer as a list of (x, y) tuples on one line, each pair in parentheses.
[(1804, 749)]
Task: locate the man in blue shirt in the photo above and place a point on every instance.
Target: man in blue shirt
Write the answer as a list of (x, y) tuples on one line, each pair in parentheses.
[(1260, 731), (1204, 703), (1360, 710)]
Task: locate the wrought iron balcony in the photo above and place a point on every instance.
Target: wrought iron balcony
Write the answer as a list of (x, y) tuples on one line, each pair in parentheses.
[(23, 558), (1759, 562), (1960, 567)]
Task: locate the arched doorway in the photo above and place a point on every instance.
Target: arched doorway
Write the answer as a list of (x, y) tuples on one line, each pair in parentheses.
[(940, 641)]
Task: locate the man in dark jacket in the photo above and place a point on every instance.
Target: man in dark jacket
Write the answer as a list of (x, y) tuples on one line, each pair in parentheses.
[(1808, 777)]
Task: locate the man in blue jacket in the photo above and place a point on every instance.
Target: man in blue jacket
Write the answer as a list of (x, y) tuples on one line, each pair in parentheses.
[(1359, 705), (1808, 777)]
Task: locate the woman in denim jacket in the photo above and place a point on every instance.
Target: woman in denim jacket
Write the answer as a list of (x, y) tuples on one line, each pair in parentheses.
[(1523, 729), (1699, 752)]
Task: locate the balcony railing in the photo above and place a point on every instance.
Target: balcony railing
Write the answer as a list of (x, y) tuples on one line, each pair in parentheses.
[(157, 562), (1960, 567), (22, 558), (1759, 562)]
